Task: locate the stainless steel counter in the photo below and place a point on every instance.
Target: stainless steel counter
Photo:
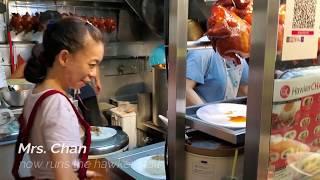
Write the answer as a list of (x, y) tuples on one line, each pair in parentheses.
[(13, 127), (121, 162), (12, 133), (234, 136), (18, 110)]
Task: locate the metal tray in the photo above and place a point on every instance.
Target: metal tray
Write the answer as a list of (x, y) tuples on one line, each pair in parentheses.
[(234, 136), (12, 131)]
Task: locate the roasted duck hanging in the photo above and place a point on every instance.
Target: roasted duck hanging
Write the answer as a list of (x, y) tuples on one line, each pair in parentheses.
[(229, 34)]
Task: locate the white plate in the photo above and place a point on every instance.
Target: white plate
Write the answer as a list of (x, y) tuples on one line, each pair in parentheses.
[(307, 160), (104, 134), (220, 114), (139, 166)]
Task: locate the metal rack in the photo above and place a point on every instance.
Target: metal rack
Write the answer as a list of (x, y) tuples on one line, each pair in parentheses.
[(65, 5), (108, 8), (130, 49)]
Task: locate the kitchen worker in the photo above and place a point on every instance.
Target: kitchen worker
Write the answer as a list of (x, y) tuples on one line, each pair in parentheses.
[(211, 78), (88, 102), (72, 51)]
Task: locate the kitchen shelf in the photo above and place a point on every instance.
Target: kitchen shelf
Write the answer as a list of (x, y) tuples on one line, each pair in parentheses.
[(150, 125), (131, 49), (191, 45), (18, 6), (234, 136), (60, 2)]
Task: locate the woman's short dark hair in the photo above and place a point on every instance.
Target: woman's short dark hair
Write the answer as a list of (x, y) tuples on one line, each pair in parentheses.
[(68, 34)]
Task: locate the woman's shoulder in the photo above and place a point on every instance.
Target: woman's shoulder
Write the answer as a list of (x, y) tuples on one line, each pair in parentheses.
[(57, 108), (55, 105), (57, 100), (201, 54), (36, 94), (204, 51), (53, 100)]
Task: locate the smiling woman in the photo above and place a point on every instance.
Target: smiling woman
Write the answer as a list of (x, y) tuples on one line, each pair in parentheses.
[(83, 51), (72, 51)]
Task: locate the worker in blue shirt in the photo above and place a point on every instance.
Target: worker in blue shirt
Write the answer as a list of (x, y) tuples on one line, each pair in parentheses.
[(211, 78)]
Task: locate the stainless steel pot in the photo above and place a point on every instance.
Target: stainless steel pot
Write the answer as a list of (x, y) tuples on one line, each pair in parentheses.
[(15, 95), (209, 158), (159, 96)]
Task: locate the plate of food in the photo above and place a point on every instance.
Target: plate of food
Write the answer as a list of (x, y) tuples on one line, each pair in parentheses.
[(150, 166), (284, 115), (224, 114), (101, 133), (305, 166)]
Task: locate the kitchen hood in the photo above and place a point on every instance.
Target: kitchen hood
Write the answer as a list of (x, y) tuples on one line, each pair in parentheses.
[(199, 10)]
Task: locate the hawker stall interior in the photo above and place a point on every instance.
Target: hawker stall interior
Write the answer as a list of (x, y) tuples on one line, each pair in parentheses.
[(160, 89)]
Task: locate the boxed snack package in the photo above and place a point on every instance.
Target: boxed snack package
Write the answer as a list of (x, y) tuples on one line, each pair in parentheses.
[(295, 123)]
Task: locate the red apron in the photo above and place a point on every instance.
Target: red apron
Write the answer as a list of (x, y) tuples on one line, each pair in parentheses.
[(25, 130)]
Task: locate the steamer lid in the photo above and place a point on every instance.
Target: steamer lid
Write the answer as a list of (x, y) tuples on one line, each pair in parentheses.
[(110, 145), (203, 144)]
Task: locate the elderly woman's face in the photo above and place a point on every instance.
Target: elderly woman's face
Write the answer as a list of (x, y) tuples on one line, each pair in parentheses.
[(84, 63)]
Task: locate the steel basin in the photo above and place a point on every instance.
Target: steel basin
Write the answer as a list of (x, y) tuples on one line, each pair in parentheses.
[(16, 94)]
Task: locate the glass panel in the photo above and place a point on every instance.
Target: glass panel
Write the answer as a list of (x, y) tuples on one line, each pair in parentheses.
[(295, 127)]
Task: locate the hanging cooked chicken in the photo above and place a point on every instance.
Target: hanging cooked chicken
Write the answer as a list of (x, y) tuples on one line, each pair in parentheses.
[(104, 24), (229, 34), (282, 12), (28, 23), (242, 8), (25, 23), (241, 12), (16, 23), (110, 24), (35, 22)]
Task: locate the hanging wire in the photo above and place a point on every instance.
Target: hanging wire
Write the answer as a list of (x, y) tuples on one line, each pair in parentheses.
[(56, 5), (16, 5), (74, 10), (28, 8)]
